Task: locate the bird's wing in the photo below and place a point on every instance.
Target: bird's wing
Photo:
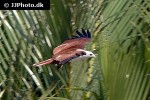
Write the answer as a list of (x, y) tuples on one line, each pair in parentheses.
[(76, 42), (68, 55), (45, 62)]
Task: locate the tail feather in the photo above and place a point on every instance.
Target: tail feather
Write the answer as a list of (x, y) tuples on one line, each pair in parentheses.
[(48, 61)]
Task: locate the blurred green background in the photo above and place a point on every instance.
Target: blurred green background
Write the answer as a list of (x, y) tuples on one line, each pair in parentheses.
[(120, 38)]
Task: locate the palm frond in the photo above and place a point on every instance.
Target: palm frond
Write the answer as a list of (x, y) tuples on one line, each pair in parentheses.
[(120, 37)]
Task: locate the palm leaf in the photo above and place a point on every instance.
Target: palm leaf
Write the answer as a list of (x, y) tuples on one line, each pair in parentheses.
[(120, 37)]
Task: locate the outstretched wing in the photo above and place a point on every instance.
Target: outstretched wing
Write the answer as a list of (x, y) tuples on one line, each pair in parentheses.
[(76, 42), (45, 62), (68, 55)]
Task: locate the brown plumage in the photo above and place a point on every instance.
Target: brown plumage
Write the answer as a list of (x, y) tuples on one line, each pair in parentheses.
[(78, 43), (68, 50)]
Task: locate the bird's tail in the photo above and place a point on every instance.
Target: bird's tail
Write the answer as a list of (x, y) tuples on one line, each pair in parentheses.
[(48, 61)]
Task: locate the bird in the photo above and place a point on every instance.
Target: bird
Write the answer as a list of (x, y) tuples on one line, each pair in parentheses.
[(70, 50)]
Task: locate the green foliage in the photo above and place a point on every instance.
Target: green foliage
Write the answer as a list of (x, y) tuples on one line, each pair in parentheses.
[(120, 37)]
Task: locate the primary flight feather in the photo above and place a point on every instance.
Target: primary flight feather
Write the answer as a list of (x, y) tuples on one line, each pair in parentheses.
[(70, 50)]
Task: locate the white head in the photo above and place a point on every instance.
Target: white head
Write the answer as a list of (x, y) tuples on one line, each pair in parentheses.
[(84, 55), (87, 54)]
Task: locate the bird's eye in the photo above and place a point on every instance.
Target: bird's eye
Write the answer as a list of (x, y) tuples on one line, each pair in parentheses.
[(90, 54)]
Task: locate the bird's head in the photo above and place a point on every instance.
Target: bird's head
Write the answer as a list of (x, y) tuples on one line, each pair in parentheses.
[(87, 54)]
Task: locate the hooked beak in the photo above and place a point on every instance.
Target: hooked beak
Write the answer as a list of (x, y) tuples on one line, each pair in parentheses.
[(93, 56)]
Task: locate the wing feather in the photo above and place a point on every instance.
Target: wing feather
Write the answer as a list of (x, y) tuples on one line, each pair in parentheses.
[(74, 43), (89, 34), (45, 62), (80, 34), (84, 33), (67, 55)]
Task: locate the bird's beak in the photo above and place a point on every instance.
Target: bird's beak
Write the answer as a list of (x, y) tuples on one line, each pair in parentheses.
[(93, 56)]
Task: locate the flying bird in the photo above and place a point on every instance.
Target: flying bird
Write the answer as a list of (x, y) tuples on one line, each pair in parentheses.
[(70, 50)]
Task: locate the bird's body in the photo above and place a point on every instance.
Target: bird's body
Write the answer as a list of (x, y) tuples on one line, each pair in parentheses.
[(70, 50)]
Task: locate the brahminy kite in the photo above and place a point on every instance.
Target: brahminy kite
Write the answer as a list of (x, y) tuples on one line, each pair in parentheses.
[(70, 50)]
